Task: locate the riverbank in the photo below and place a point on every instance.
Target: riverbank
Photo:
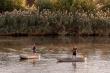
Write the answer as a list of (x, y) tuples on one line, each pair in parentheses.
[(35, 34), (48, 22)]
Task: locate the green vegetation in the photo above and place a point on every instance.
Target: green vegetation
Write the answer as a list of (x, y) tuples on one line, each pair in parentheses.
[(9, 5), (70, 5), (61, 17)]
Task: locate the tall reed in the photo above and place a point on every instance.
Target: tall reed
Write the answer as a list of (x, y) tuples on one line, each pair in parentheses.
[(55, 22)]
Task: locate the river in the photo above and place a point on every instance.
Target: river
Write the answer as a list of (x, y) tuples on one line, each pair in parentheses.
[(95, 49)]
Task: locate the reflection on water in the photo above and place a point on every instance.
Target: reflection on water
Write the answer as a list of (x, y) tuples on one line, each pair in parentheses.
[(96, 49)]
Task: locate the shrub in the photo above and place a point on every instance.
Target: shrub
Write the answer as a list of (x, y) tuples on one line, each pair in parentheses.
[(10, 5), (55, 22)]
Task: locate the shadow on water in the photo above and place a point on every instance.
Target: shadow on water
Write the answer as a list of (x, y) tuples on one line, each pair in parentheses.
[(74, 66), (31, 61)]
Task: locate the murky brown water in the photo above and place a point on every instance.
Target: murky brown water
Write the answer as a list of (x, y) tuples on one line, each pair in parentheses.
[(96, 49)]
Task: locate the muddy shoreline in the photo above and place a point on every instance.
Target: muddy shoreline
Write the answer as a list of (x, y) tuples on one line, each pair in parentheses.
[(50, 34)]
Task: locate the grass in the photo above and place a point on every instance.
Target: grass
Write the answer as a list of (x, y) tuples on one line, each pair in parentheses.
[(55, 22), (59, 17)]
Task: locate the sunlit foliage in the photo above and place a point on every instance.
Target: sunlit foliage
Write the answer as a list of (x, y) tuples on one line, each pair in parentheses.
[(56, 17), (10, 5), (25, 4), (70, 5), (55, 22)]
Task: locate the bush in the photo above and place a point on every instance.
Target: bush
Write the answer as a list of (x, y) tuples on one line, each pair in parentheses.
[(44, 4), (6, 5), (55, 22), (75, 17), (103, 5), (86, 5), (10, 5)]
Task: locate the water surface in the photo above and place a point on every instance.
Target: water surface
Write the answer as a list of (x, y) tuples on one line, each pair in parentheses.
[(96, 49)]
